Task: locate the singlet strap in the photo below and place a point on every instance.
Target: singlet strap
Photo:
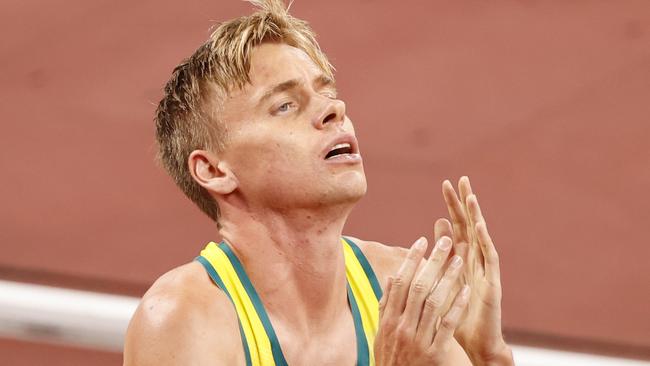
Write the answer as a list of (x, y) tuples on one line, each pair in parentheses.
[(365, 293), (363, 350), (367, 268), (217, 280), (278, 356), (261, 343)]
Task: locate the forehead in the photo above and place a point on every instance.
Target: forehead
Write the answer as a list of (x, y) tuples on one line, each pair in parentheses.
[(274, 63), (270, 64)]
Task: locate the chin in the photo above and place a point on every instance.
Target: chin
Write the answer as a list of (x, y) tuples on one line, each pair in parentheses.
[(349, 188)]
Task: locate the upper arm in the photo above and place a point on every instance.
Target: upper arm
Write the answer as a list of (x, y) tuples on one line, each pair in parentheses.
[(173, 326)]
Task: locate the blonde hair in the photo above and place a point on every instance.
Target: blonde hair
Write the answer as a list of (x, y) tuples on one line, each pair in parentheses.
[(185, 117)]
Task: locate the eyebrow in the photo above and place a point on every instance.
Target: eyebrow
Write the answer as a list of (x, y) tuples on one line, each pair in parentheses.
[(319, 82)]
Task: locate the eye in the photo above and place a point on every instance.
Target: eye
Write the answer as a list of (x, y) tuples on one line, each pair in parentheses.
[(330, 94), (284, 107)]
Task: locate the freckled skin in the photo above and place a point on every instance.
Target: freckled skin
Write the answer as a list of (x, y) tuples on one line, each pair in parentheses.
[(281, 150), (284, 219)]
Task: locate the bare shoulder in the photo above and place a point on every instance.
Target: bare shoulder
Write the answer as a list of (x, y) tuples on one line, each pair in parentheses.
[(184, 319), (384, 259)]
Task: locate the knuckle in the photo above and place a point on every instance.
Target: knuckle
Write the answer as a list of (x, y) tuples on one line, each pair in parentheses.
[(448, 323), (388, 325), (404, 337), (419, 287), (433, 302), (404, 333), (432, 355), (398, 282), (401, 329)]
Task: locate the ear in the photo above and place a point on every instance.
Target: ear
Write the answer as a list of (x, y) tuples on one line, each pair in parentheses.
[(211, 173)]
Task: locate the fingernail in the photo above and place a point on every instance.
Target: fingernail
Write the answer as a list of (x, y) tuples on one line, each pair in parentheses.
[(419, 244), (444, 243), (456, 261)]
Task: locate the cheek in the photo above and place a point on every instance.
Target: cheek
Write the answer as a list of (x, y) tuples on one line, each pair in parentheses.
[(277, 172), (272, 159)]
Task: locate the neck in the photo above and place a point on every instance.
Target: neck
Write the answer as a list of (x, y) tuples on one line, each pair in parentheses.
[(295, 261)]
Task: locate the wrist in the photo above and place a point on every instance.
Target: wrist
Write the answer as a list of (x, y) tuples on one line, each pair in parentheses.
[(501, 357)]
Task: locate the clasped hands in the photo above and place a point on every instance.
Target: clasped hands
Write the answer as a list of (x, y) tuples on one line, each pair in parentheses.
[(454, 294)]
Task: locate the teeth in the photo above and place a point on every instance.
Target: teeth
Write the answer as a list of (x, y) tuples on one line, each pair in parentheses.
[(341, 146), (341, 149)]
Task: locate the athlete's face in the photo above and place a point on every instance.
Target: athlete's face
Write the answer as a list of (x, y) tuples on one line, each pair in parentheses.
[(290, 143)]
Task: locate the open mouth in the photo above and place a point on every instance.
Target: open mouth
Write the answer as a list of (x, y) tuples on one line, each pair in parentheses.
[(338, 150)]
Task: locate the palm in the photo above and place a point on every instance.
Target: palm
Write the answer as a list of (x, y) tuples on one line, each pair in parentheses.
[(483, 315), (480, 331)]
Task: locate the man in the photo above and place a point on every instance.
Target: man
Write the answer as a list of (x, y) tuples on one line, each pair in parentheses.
[(251, 129)]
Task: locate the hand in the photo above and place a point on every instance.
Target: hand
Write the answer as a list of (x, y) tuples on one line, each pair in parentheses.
[(411, 308), (480, 331)]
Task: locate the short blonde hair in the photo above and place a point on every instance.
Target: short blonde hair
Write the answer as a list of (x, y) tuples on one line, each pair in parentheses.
[(186, 118)]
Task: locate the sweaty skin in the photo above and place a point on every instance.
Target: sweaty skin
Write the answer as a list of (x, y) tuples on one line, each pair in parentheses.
[(185, 319), (283, 208)]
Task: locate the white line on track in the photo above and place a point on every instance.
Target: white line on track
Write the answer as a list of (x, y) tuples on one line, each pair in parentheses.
[(99, 321)]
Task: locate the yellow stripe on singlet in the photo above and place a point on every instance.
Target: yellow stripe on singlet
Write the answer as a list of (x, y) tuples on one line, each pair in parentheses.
[(261, 345), (257, 340), (365, 296)]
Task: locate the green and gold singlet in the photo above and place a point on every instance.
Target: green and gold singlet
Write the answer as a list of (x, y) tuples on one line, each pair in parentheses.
[(261, 346)]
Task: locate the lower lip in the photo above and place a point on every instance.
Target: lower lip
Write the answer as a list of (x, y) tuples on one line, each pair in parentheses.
[(345, 159)]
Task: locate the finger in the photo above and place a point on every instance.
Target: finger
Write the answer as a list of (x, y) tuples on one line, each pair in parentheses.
[(475, 216), (442, 290), (449, 323), (474, 210), (384, 298), (435, 302), (441, 228), (464, 189), (402, 280), (456, 212), (423, 283), (427, 326), (490, 255)]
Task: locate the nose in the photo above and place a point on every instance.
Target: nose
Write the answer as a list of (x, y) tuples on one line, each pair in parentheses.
[(333, 112)]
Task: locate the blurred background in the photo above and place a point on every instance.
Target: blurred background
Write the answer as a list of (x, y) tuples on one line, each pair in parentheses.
[(545, 105)]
